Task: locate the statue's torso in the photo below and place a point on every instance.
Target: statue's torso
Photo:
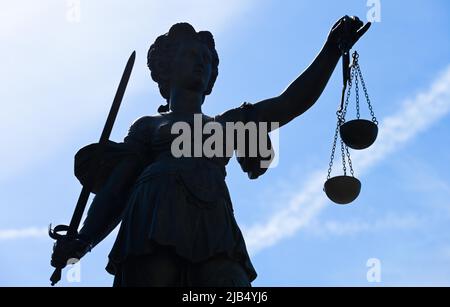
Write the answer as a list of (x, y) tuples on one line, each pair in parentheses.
[(179, 202)]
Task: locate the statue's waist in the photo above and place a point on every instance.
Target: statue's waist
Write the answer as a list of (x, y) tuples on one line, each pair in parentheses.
[(203, 178), (167, 164)]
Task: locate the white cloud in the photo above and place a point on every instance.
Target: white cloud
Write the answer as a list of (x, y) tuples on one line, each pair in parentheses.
[(25, 233), (415, 116), (355, 227)]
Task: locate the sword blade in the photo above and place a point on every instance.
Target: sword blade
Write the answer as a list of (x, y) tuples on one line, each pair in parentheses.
[(117, 99), (85, 192)]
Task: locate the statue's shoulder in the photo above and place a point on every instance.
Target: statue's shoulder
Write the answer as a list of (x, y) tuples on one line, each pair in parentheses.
[(147, 123), (143, 127), (242, 113)]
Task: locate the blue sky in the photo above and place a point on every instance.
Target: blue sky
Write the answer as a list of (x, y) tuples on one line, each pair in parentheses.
[(58, 79)]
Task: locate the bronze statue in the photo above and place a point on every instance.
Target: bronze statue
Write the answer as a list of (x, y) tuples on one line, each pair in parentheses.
[(178, 226)]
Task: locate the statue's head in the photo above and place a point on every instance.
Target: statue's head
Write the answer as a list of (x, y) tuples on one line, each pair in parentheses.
[(183, 58)]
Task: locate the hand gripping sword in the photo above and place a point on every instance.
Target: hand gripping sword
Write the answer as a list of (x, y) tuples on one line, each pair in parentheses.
[(72, 229)]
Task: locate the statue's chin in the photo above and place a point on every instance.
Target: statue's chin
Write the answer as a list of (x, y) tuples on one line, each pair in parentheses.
[(197, 86)]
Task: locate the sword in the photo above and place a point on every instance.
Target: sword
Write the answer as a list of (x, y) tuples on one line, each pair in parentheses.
[(72, 229)]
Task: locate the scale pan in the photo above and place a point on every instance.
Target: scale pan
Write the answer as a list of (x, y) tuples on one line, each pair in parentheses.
[(359, 133), (342, 189)]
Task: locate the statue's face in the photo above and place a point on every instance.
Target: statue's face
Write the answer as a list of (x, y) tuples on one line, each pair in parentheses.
[(191, 66)]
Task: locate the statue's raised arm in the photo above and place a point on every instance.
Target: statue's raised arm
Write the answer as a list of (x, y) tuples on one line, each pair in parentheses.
[(304, 91)]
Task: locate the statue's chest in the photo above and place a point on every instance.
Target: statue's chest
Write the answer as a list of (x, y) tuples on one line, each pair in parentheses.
[(192, 132)]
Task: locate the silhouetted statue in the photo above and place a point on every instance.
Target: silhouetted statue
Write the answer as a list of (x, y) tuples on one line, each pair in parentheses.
[(178, 226)]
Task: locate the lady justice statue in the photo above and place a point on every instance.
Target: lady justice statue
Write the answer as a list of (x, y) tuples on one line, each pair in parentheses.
[(177, 221)]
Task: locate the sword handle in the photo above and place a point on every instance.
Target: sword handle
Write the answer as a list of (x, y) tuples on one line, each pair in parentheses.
[(56, 276)]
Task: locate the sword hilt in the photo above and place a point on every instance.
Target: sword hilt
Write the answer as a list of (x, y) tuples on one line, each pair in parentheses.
[(56, 276), (56, 235)]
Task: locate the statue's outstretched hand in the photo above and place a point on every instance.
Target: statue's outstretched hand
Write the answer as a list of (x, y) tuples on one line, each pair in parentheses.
[(347, 31), (67, 249)]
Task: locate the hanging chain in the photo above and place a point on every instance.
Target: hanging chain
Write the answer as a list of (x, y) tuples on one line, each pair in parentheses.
[(330, 165), (349, 161), (366, 93), (343, 158), (347, 98), (340, 121), (357, 95)]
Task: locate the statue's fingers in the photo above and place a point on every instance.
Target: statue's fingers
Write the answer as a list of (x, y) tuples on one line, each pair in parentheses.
[(355, 22), (356, 19), (339, 22), (337, 25), (363, 30)]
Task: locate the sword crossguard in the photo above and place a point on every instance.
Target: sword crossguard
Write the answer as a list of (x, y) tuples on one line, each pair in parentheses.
[(55, 233)]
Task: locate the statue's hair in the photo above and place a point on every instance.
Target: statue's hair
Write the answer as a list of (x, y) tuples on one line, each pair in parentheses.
[(162, 51)]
